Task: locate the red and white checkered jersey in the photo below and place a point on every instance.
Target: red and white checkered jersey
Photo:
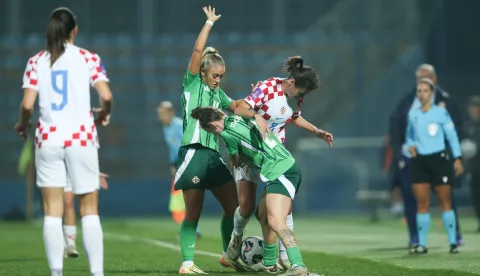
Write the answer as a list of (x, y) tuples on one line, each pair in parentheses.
[(64, 96), (268, 100)]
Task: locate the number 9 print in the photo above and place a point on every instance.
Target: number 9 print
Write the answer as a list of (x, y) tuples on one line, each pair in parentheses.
[(60, 86)]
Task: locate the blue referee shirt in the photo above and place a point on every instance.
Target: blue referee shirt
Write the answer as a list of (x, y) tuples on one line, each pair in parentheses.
[(173, 136), (427, 131)]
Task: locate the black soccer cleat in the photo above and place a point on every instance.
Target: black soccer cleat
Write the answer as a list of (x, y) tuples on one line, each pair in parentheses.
[(454, 249), (419, 250)]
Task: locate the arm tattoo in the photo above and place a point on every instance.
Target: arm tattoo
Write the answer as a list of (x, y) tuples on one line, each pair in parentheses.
[(287, 237)]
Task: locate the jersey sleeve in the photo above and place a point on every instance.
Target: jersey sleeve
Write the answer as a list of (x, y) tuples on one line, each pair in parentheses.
[(225, 101), (30, 79), (96, 69), (189, 78), (451, 134), (256, 98), (230, 143)]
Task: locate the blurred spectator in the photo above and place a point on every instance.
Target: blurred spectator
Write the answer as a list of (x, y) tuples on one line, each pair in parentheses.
[(470, 154), (401, 156), (389, 171)]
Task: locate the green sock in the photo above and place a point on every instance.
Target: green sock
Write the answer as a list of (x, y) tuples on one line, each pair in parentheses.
[(269, 254), (226, 228), (187, 239), (295, 256)]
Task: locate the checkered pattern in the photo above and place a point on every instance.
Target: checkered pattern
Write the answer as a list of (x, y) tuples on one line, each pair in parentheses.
[(96, 68), (270, 89), (73, 124), (30, 78)]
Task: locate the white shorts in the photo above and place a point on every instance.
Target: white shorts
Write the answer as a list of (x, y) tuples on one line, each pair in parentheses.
[(247, 171), (74, 168)]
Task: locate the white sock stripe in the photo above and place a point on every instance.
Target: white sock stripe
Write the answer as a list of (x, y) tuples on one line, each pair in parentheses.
[(183, 166), (288, 185)]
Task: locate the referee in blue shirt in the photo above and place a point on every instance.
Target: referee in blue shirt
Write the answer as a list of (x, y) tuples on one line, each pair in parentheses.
[(427, 128), (173, 133)]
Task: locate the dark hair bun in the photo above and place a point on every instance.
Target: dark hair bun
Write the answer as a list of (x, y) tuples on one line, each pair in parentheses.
[(292, 64), (197, 112)]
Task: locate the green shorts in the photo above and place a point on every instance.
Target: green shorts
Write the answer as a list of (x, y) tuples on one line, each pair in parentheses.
[(199, 167), (287, 184)]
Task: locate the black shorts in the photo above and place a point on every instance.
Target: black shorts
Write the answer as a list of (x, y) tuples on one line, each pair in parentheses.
[(435, 169)]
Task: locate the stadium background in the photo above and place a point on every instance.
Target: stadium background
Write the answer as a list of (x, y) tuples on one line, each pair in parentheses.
[(365, 52)]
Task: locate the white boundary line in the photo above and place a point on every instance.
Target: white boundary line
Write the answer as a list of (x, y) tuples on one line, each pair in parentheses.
[(163, 244)]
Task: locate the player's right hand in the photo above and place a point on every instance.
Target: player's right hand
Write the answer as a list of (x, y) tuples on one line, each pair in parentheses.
[(458, 166), (102, 117), (210, 13), (413, 151), (262, 125)]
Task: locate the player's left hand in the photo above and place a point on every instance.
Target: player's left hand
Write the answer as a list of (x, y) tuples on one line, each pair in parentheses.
[(325, 136), (103, 181), (21, 129), (458, 166)]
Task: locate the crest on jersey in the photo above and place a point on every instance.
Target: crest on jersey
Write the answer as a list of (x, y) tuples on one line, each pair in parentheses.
[(256, 93), (283, 110), (195, 180), (432, 129)]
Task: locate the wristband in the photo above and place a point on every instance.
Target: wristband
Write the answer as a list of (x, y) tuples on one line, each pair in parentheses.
[(209, 22)]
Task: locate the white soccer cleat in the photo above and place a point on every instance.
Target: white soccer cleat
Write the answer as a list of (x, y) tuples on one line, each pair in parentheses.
[(284, 264), (260, 267), (71, 252), (235, 247), (191, 269), (226, 262)]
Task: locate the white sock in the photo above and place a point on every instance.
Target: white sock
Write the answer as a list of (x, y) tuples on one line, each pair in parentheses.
[(281, 247), (57, 272), (187, 263), (54, 245), (93, 242), (239, 223), (70, 234)]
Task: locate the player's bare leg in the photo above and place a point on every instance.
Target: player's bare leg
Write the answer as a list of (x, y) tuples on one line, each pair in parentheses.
[(269, 262), (92, 231), (278, 207), (243, 213), (52, 228), (193, 209), (70, 226)]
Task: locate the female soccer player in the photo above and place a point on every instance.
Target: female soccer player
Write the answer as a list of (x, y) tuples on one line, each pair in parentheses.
[(70, 218), (277, 167), (428, 126), (173, 132), (199, 165), (66, 138), (269, 101)]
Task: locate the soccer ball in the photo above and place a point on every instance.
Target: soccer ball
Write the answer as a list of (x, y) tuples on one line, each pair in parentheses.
[(252, 250), (469, 148)]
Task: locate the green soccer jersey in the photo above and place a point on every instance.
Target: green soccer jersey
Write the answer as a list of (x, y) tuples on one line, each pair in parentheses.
[(243, 136), (198, 94)]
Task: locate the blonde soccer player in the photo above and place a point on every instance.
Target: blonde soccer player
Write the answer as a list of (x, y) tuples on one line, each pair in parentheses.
[(66, 142), (268, 105)]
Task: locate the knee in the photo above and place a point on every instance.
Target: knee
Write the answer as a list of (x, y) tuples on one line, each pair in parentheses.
[(445, 205), (53, 207), (192, 215), (68, 203)]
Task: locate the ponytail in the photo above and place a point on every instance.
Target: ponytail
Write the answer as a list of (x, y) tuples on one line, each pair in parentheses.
[(210, 58), (206, 115), (304, 76), (59, 27)]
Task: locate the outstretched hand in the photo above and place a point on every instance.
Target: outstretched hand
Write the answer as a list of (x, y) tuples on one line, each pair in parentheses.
[(210, 13)]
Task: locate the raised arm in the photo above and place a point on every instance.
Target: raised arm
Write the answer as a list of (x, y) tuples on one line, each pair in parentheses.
[(194, 65)]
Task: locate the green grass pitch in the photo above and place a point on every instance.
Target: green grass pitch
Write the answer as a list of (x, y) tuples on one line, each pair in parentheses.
[(330, 246)]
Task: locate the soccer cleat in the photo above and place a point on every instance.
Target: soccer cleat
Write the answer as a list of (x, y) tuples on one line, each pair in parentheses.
[(298, 271), (235, 247), (71, 252), (191, 269), (284, 264), (419, 250), (260, 267), (225, 261), (454, 249)]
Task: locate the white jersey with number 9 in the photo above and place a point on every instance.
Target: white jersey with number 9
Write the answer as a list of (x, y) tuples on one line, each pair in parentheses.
[(66, 139)]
